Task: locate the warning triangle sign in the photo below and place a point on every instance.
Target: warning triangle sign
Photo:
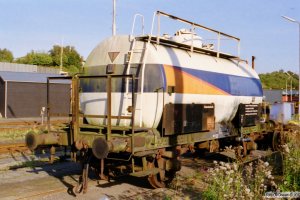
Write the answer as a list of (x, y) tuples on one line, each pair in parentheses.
[(113, 56)]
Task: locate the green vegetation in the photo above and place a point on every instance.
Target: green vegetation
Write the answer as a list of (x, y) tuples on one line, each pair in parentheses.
[(6, 55), (291, 163), (71, 59), (13, 135), (231, 181), (278, 80), (35, 58)]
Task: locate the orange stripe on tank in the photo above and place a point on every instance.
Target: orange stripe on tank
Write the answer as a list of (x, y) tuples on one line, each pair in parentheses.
[(187, 83)]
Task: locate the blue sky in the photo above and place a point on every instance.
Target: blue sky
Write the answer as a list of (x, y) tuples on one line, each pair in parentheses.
[(27, 25)]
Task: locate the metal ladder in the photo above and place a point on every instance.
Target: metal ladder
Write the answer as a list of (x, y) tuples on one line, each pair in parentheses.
[(142, 55)]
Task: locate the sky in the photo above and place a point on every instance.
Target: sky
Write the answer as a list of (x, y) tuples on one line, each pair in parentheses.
[(27, 25)]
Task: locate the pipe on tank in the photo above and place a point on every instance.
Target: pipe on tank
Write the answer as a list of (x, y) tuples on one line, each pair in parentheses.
[(253, 62)]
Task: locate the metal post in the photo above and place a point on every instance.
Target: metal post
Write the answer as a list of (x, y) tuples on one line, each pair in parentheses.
[(132, 113), (286, 97), (114, 19), (48, 106), (297, 22), (291, 90), (61, 55), (75, 108), (158, 29), (108, 88), (219, 41), (5, 103), (239, 48), (192, 44), (299, 78), (290, 77)]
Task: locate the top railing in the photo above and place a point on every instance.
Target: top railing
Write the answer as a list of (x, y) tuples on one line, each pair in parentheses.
[(193, 25)]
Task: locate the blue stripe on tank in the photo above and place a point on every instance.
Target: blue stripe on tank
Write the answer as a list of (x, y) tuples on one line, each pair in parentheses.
[(232, 84), (161, 67)]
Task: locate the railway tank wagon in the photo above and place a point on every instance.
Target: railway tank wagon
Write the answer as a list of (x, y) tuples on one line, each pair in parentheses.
[(171, 76), (145, 100)]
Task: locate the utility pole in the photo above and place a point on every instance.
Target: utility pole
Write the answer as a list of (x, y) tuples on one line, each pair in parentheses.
[(298, 23), (114, 19), (291, 91), (61, 55)]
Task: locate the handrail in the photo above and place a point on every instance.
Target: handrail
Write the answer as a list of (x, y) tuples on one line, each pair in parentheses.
[(75, 101), (197, 25), (193, 25), (133, 24)]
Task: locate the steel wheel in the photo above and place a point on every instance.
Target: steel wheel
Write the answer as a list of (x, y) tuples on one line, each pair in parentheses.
[(154, 178)]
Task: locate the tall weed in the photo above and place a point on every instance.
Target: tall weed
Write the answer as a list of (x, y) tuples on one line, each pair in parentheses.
[(234, 181), (291, 162)]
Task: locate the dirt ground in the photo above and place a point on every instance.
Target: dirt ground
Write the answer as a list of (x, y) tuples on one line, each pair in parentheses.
[(57, 180)]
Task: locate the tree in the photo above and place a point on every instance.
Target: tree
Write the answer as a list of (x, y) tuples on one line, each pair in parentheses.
[(279, 79), (34, 58), (55, 54), (70, 57), (6, 55)]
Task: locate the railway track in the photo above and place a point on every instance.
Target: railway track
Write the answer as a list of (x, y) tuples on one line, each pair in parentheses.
[(11, 148), (21, 124)]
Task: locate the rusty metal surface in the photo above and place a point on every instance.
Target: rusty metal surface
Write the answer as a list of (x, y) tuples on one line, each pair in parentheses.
[(33, 140), (187, 118), (108, 108)]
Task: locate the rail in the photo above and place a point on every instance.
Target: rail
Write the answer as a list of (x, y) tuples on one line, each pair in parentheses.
[(9, 148)]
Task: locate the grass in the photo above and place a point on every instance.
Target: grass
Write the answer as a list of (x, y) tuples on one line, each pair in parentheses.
[(291, 163), (12, 135), (295, 120)]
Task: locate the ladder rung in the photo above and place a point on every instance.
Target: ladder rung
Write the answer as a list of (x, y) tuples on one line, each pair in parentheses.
[(133, 78), (137, 51)]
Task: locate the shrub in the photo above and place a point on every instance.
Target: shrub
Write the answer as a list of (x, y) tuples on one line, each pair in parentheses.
[(232, 181), (291, 163)]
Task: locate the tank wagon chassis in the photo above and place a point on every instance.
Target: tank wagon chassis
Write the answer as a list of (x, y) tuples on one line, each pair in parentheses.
[(139, 152), (153, 152)]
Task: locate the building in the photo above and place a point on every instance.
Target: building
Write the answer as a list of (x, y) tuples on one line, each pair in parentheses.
[(290, 96), (15, 67), (24, 94), (272, 96), (280, 96)]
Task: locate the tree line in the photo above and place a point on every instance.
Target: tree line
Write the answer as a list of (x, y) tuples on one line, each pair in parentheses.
[(71, 59), (279, 80)]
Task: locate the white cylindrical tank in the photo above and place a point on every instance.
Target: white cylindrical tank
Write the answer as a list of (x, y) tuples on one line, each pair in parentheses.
[(193, 78)]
